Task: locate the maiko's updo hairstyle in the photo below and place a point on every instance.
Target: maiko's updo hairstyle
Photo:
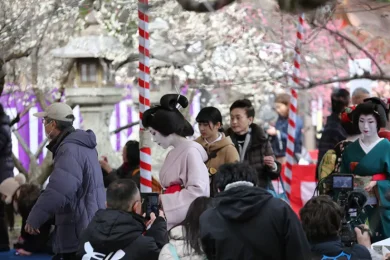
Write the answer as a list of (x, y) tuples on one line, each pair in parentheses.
[(166, 118), (373, 106)]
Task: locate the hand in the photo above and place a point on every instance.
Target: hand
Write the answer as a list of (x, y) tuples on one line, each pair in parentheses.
[(387, 256), (363, 238), (23, 252), (151, 220), (104, 164), (271, 131), (269, 161), (371, 185), (32, 231)]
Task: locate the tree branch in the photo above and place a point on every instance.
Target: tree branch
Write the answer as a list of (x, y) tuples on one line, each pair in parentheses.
[(40, 148), (336, 33), (132, 57), (124, 127), (203, 7), (19, 165), (46, 169), (366, 75), (23, 144)]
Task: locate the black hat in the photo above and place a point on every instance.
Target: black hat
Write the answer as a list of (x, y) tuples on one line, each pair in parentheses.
[(166, 118)]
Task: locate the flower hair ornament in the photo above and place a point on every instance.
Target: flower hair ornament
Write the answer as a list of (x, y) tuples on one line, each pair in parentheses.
[(346, 115)]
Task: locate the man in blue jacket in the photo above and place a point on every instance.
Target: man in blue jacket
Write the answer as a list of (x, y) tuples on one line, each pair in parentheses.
[(75, 190)]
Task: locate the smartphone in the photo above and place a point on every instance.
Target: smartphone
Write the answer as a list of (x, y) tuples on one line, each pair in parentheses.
[(150, 203)]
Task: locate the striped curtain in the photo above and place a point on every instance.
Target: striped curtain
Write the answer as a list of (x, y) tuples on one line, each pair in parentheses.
[(32, 131)]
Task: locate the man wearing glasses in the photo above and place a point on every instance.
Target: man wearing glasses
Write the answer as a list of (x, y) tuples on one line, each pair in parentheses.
[(75, 190)]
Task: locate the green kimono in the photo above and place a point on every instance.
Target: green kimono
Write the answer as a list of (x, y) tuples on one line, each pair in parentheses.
[(377, 160)]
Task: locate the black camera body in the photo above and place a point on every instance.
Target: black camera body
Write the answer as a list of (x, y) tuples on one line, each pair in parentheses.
[(343, 189), (150, 204)]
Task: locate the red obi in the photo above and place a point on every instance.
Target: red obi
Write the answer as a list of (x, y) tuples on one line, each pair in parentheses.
[(379, 177), (173, 188)]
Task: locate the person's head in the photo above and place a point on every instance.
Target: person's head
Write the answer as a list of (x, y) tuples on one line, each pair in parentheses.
[(359, 95), (123, 194), (282, 103), (340, 100), (321, 219), (369, 117), (242, 114), (191, 222), (9, 186), (165, 121), (130, 153), (56, 118), (209, 120), (234, 172), (347, 121)]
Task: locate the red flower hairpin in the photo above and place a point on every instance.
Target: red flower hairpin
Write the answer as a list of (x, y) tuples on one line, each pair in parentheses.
[(344, 115)]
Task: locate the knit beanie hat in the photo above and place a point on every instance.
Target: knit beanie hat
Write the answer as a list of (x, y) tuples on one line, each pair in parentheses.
[(10, 185)]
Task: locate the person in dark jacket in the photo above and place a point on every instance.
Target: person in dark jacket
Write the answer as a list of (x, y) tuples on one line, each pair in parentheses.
[(321, 219), (128, 170), (75, 190), (248, 222), (119, 232), (251, 142), (6, 171), (333, 132), (279, 132)]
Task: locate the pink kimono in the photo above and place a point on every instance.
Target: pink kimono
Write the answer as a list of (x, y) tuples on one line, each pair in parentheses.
[(184, 165)]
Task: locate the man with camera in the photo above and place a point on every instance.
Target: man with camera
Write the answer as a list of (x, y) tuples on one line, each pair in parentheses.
[(119, 231), (322, 222)]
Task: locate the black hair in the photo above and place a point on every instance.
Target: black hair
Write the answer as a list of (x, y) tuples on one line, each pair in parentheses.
[(321, 218), (379, 101), (121, 193), (61, 125), (166, 118), (210, 115), (340, 99), (370, 108), (191, 223), (347, 123), (132, 153), (244, 104), (234, 172)]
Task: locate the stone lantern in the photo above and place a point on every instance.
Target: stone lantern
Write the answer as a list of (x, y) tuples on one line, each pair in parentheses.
[(95, 92)]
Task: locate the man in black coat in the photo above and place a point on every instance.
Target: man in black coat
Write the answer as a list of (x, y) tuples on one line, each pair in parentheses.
[(119, 232), (248, 222), (6, 171)]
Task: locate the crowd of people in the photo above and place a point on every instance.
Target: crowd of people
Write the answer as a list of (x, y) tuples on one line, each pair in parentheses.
[(215, 198)]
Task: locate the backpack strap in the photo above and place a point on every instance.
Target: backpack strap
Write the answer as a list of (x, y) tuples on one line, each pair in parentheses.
[(135, 172), (212, 154), (173, 251)]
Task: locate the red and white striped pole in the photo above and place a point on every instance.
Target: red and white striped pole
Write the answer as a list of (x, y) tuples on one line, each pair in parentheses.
[(292, 116), (144, 96)]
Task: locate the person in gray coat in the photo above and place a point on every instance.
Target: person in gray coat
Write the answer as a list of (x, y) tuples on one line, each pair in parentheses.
[(75, 190), (6, 171)]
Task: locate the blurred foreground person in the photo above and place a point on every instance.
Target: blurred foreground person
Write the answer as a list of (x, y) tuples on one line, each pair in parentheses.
[(20, 199), (321, 219), (248, 223), (75, 190), (6, 171), (119, 232)]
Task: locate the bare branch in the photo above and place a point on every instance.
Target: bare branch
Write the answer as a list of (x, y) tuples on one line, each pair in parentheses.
[(336, 33), (124, 127), (19, 165), (23, 144), (132, 57), (46, 169), (310, 84), (40, 148)]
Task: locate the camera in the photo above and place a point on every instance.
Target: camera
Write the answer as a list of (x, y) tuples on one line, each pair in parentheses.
[(150, 204), (352, 201)]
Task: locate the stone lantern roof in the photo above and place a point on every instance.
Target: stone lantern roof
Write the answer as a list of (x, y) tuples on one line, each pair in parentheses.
[(93, 42)]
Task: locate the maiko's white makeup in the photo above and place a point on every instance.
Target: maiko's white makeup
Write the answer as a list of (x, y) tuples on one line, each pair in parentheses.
[(368, 125), (163, 141)]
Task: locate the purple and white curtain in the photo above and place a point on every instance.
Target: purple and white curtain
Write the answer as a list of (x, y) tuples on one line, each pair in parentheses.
[(32, 131)]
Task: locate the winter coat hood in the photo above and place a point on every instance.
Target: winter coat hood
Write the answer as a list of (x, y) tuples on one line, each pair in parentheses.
[(242, 203), (111, 230), (82, 138), (225, 141)]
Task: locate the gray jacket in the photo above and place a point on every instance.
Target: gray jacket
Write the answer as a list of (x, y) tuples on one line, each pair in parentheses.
[(75, 190)]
